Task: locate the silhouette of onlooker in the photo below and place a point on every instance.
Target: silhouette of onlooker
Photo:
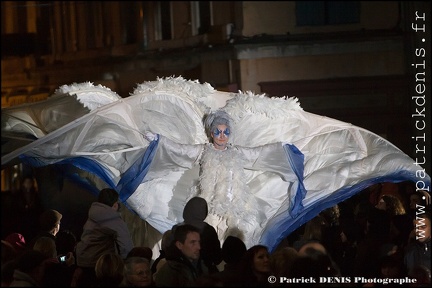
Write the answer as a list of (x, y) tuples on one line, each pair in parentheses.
[(49, 225), (167, 239), (233, 250), (65, 242)]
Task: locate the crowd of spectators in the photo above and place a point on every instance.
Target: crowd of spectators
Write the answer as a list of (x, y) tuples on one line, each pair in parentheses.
[(377, 234)]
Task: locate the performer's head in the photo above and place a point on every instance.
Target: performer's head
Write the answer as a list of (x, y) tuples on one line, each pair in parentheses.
[(218, 125)]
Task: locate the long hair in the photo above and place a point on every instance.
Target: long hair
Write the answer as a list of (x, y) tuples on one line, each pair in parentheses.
[(394, 205)]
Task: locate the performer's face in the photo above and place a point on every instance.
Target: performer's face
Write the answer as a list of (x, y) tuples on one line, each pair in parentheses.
[(220, 136)]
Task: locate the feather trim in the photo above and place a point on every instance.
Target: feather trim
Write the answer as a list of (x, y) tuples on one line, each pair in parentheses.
[(191, 90), (90, 96), (269, 107)]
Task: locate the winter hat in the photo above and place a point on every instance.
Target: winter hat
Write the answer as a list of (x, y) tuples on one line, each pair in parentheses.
[(17, 241), (49, 219)]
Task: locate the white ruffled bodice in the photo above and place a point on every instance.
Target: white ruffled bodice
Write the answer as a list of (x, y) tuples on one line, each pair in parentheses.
[(223, 184)]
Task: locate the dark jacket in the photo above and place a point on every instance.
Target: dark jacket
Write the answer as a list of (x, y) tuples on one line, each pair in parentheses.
[(417, 253), (179, 272)]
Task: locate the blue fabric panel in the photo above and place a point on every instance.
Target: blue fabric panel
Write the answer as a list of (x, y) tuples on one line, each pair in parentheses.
[(134, 176)]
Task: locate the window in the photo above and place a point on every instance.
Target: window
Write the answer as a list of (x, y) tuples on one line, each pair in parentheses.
[(201, 17), (314, 13), (165, 18)]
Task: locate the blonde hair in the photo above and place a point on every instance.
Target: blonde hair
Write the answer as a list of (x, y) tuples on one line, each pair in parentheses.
[(110, 267), (394, 205), (47, 246)]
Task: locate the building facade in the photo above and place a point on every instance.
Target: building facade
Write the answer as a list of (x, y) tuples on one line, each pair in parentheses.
[(357, 61)]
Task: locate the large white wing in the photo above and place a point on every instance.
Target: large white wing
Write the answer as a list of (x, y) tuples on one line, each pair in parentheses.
[(25, 123), (340, 159)]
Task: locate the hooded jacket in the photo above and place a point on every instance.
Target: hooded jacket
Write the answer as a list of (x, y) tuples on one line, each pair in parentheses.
[(104, 231)]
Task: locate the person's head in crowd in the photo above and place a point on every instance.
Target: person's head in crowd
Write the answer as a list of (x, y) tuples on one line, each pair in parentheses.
[(254, 266), (167, 240), (65, 242), (314, 229), (141, 251), (28, 183), (316, 265), (109, 197), (311, 248), (392, 204), (109, 270), (17, 241), (187, 241), (195, 212), (282, 260), (47, 246), (233, 249), (49, 221), (137, 272)]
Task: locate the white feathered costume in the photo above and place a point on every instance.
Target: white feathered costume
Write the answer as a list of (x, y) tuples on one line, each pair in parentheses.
[(296, 163)]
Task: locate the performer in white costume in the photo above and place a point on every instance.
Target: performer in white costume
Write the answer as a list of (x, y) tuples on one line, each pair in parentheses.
[(223, 176), (281, 167)]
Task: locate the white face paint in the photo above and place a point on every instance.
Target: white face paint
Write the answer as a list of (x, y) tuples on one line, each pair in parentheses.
[(220, 136)]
